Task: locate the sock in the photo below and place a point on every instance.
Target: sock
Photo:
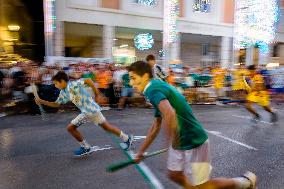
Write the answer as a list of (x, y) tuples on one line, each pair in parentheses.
[(273, 113), (242, 183), (85, 144), (123, 136)]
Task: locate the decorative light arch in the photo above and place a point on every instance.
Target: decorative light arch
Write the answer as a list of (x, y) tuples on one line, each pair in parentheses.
[(144, 41)]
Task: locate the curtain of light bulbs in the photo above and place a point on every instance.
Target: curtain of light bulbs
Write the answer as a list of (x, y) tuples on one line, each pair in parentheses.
[(170, 32), (49, 26), (255, 23)]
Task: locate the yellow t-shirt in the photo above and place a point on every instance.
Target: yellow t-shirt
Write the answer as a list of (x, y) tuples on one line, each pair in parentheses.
[(218, 77), (238, 75), (258, 93), (257, 83)]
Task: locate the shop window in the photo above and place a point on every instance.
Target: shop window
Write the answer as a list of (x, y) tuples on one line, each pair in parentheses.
[(205, 49), (275, 50), (147, 2), (202, 6)]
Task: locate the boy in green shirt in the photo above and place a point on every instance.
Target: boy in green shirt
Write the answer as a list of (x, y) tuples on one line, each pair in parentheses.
[(126, 91), (188, 142)]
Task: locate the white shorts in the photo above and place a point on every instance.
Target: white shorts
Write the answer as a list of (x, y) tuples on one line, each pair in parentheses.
[(97, 118), (195, 163)]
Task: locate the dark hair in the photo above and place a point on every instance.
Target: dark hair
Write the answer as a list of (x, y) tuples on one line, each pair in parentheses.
[(140, 68), (60, 76), (150, 57), (251, 67)]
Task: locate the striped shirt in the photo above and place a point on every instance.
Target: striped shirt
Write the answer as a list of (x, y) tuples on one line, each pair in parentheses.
[(77, 93), (159, 72)]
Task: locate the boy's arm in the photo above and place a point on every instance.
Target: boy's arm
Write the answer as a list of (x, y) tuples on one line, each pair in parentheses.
[(99, 97), (90, 83), (169, 116), (47, 103), (152, 133)]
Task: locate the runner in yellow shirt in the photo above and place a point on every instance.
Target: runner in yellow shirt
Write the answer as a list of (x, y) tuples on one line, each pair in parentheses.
[(258, 94), (239, 87), (218, 78)]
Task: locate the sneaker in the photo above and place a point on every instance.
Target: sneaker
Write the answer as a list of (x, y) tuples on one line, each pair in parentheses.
[(3, 114), (255, 119), (105, 108), (82, 151), (128, 143), (252, 178), (274, 117), (219, 103)]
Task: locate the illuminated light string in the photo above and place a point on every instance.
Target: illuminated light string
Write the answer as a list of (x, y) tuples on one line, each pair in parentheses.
[(161, 53), (255, 23), (170, 20), (144, 41), (50, 17), (203, 6)]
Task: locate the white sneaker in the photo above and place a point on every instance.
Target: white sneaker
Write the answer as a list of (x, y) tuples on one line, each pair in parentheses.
[(3, 114), (106, 108), (252, 178), (218, 103)]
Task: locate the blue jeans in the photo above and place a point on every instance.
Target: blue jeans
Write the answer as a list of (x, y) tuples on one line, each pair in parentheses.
[(127, 92)]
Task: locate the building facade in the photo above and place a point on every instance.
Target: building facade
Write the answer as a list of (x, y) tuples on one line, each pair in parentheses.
[(107, 29)]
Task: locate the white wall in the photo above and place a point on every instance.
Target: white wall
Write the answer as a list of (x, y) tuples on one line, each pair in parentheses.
[(205, 29), (123, 18), (132, 7), (87, 3)]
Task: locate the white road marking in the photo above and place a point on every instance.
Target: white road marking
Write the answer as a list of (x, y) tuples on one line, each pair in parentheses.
[(109, 147), (100, 148), (219, 134), (125, 114), (147, 172), (247, 117), (135, 138)]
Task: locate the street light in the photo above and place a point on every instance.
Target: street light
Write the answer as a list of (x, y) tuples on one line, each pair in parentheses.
[(14, 28)]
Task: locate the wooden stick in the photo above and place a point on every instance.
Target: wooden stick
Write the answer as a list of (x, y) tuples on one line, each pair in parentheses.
[(123, 164), (42, 112)]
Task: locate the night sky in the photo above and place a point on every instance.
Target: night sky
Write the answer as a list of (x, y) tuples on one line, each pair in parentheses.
[(35, 10)]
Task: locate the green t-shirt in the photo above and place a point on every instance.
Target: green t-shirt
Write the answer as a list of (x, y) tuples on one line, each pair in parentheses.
[(190, 134), (89, 75), (126, 80)]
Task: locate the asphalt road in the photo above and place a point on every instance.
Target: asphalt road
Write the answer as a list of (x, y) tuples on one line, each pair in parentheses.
[(36, 154)]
